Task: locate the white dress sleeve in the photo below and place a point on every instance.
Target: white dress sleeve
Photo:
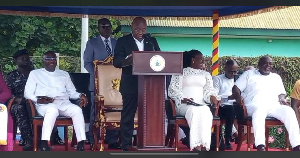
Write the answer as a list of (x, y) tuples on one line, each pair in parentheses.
[(208, 89), (175, 89)]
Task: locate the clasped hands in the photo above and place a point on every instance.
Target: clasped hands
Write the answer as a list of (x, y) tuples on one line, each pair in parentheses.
[(47, 100), (44, 100)]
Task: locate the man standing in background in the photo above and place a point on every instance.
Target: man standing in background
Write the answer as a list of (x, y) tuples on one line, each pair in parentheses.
[(100, 48)]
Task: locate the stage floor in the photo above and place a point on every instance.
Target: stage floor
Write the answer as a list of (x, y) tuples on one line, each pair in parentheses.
[(181, 148)]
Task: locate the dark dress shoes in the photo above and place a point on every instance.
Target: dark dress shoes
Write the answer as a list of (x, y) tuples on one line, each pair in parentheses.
[(114, 146), (92, 146), (21, 142), (186, 141), (28, 147), (80, 146), (228, 146), (261, 148), (297, 148), (44, 146), (58, 141)]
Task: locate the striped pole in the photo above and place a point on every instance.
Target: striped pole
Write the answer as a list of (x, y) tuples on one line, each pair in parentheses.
[(215, 52)]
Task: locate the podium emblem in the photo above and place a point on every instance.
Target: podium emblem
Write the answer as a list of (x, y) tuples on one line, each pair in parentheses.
[(157, 63)]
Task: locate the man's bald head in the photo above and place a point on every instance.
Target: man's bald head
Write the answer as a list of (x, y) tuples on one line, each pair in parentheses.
[(231, 68), (138, 28)]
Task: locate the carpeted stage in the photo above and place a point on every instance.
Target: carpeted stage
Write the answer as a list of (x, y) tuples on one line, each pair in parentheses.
[(181, 148)]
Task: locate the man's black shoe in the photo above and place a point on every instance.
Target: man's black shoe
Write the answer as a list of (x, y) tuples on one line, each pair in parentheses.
[(44, 146), (80, 146), (92, 146), (228, 146), (28, 147), (87, 142), (58, 141), (21, 142), (297, 148), (114, 146), (186, 141), (261, 148)]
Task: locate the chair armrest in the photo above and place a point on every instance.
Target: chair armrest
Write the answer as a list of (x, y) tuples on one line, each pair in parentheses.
[(173, 108), (99, 104), (32, 107), (10, 103)]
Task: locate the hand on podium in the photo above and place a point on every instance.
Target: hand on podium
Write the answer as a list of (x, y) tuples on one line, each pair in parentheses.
[(128, 61)]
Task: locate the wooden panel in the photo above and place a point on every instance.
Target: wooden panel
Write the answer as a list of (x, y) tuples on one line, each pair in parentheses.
[(151, 129), (141, 63)]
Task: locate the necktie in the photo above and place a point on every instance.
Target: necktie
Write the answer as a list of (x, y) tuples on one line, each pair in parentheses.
[(107, 47)]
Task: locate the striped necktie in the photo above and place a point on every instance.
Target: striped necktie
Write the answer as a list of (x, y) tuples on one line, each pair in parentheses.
[(107, 47)]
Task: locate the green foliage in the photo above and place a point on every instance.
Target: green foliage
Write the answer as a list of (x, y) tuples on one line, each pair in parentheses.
[(277, 137), (40, 34)]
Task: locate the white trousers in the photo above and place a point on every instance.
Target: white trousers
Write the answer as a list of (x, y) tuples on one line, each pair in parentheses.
[(283, 113), (200, 120), (66, 108)]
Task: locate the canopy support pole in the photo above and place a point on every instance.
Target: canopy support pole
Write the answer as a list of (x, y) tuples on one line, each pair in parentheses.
[(215, 50)]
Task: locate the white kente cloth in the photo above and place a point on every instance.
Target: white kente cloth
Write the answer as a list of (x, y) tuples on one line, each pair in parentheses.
[(3, 124), (196, 84)]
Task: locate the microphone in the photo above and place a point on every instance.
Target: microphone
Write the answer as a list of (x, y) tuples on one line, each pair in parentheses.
[(147, 37)]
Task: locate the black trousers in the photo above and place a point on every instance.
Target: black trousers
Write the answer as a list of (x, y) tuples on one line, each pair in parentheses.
[(111, 135), (21, 116), (227, 113), (127, 119)]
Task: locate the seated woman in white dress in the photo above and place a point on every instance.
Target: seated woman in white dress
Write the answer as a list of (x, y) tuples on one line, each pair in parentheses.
[(195, 86)]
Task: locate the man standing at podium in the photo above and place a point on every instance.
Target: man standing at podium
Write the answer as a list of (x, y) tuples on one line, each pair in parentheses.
[(138, 40)]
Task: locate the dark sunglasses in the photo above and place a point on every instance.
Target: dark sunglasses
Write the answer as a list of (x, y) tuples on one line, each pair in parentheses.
[(50, 58), (233, 71), (105, 26)]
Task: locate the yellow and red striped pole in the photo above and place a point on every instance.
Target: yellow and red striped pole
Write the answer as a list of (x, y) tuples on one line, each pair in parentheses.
[(215, 52)]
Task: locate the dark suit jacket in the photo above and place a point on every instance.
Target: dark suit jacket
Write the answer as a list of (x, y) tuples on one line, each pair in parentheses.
[(95, 50), (124, 47)]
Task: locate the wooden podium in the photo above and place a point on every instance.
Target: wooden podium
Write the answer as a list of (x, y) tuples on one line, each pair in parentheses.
[(151, 68)]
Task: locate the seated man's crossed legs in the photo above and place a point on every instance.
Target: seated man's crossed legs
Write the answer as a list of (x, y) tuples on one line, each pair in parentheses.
[(283, 113)]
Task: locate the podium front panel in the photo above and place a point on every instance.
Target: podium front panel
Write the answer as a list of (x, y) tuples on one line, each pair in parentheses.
[(157, 63)]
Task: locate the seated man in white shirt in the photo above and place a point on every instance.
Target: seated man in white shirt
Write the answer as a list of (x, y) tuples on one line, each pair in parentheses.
[(223, 84), (263, 94), (50, 89)]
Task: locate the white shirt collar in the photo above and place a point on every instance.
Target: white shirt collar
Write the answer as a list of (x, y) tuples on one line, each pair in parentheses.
[(137, 40), (103, 38)]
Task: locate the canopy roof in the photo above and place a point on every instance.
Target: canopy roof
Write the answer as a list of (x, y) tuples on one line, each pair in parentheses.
[(146, 11)]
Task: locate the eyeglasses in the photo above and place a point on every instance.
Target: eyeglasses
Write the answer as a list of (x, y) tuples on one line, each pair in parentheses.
[(50, 58), (105, 26)]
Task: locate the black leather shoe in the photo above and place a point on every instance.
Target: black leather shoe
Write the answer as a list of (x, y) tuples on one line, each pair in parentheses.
[(80, 146), (297, 148), (186, 141), (228, 146), (92, 146), (261, 148), (44, 146), (58, 141), (87, 142), (114, 146), (28, 147), (21, 142)]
